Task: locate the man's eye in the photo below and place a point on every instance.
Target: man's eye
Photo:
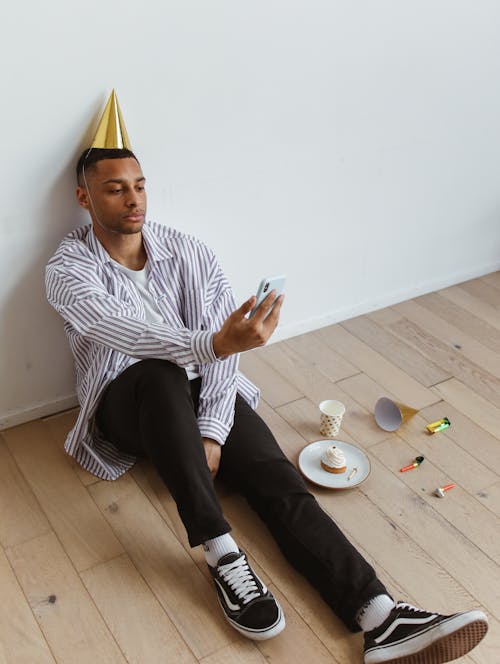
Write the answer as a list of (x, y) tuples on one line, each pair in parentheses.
[(141, 188), (115, 191)]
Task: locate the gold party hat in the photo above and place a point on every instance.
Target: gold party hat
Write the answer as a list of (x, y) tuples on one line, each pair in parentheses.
[(390, 414), (111, 132)]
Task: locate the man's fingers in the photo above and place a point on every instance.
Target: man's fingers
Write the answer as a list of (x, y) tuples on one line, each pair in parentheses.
[(240, 333), (247, 306), (277, 306), (264, 306), (273, 317)]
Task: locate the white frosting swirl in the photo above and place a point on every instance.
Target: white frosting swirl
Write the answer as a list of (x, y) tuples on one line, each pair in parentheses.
[(333, 457)]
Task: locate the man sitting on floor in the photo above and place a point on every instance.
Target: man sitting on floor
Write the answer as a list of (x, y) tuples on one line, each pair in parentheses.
[(155, 335)]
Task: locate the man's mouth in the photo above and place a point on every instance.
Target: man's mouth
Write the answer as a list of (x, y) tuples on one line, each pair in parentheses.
[(135, 216)]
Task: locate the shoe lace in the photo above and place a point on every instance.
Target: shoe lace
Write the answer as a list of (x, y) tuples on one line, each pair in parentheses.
[(410, 607), (240, 579)]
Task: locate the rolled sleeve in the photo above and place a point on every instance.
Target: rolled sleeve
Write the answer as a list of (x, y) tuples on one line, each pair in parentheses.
[(214, 429), (202, 347), (219, 379)]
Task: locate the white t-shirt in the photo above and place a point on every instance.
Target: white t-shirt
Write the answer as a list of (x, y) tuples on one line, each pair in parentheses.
[(153, 314)]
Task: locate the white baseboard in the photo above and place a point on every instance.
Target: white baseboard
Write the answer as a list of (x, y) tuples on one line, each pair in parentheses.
[(43, 409), (33, 412), (289, 330)]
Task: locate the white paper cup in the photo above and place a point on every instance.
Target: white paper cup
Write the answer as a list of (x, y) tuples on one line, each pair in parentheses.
[(331, 416)]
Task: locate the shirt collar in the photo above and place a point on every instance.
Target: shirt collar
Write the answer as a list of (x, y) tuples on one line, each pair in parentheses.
[(97, 248), (155, 250)]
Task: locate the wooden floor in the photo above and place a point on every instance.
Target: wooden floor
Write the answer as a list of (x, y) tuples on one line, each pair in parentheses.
[(94, 571)]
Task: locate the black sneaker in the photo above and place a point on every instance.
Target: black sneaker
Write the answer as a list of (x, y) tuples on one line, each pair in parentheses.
[(247, 603), (413, 636)]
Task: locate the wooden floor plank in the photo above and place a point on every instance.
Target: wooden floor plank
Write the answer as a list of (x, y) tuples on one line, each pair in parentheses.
[(407, 358), (21, 641), (482, 290), (446, 355), (275, 389), (449, 457), (490, 497), (290, 441), (452, 336), (471, 404), (186, 596), (321, 356), (133, 614), (64, 610), (81, 528), (461, 509), (305, 377), (448, 547), (59, 426), (475, 306), (242, 652), (303, 417), (298, 643), (150, 483), (493, 279), (22, 518), (471, 437), (473, 326), (384, 372), (385, 317)]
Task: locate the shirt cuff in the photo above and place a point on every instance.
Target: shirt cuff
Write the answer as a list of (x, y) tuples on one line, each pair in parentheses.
[(202, 347), (215, 429)]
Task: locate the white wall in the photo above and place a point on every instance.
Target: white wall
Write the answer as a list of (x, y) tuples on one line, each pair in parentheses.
[(353, 145)]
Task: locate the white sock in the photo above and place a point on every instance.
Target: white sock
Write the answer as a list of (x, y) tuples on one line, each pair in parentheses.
[(374, 612), (217, 547)]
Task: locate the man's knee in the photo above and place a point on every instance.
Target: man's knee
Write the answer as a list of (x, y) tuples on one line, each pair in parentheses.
[(157, 376)]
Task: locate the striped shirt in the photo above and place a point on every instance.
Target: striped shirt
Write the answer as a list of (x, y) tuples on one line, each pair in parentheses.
[(105, 321)]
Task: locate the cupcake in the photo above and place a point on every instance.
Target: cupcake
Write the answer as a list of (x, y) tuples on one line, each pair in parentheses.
[(333, 460)]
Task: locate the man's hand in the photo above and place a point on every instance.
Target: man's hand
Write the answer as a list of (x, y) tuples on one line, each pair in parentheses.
[(212, 452), (239, 333)]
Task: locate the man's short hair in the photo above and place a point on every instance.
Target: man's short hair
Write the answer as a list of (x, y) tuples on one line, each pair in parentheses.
[(89, 158)]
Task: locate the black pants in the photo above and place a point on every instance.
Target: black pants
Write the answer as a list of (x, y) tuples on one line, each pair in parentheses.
[(150, 410)]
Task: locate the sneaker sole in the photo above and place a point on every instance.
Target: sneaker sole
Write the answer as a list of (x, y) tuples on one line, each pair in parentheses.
[(258, 634), (450, 642)]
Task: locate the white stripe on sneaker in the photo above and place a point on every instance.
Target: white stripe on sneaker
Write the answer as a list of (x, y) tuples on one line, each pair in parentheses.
[(233, 607), (404, 621)]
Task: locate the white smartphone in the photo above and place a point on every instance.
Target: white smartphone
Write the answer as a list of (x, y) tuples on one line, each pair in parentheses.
[(265, 287)]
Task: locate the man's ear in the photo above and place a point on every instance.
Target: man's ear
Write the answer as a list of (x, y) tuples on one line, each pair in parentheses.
[(82, 196)]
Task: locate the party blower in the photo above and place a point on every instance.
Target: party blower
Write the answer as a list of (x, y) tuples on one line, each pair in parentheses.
[(390, 415)]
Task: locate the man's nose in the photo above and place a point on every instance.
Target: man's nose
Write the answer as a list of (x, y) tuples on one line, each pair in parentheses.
[(132, 199)]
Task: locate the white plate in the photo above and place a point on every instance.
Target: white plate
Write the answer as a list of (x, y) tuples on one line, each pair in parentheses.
[(310, 465)]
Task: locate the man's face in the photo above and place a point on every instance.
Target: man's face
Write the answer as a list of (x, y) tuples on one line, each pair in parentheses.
[(115, 195)]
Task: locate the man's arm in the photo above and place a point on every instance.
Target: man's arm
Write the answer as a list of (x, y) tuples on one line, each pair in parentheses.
[(105, 319), (233, 333)]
